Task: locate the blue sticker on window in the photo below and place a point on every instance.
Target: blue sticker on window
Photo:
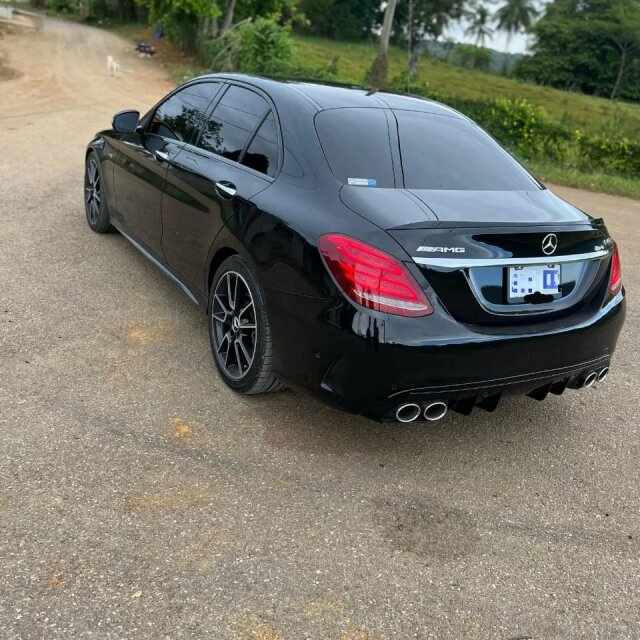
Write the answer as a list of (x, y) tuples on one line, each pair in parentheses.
[(362, 182)]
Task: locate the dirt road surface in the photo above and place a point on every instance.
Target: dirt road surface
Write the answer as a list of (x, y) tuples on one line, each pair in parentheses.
[(139, 498)]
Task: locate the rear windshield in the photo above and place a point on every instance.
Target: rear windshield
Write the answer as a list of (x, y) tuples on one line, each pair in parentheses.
[(356, 145), (437, 152), (440, 152)]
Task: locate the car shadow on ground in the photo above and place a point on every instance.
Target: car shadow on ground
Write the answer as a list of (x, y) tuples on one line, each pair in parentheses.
[(294, 422)]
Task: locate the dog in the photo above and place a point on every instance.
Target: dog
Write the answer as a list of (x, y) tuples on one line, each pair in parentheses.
[(113, 67)]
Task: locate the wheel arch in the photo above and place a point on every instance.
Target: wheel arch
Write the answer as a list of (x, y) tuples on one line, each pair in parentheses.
[(219, 256)]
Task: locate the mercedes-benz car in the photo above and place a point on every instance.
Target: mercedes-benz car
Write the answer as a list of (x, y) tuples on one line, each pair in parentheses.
[(379, 252)]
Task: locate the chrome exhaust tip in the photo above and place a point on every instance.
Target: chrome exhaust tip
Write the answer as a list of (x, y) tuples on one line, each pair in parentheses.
[(435, 411), (589, 381), (602, 374), (408, 412)]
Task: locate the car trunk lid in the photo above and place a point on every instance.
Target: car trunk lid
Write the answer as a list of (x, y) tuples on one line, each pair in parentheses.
[(508, 258)]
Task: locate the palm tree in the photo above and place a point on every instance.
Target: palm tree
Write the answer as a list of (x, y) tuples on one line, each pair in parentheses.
[(515, 16), (479, 27)]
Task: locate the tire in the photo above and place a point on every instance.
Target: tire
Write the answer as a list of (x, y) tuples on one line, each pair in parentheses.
[(95, 199), (239, 329)]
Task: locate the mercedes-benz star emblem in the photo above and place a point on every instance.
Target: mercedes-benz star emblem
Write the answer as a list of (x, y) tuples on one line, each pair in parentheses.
[(550, 244)]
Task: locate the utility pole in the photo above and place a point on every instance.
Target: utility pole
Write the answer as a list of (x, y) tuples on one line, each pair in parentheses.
[(410, 69), (380, 64)]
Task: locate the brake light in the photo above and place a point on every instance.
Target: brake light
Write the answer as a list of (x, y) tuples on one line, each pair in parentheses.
[(615, 283), (373, 278)]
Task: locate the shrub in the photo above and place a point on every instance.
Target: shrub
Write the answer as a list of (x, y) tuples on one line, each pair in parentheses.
[(264, 47), (404, 83), (620, 156)]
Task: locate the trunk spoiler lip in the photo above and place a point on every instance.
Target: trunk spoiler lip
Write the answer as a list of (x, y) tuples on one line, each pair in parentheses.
[(433, 225), (468, 263)]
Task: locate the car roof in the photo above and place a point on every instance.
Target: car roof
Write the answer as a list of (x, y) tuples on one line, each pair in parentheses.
[(325, 95)]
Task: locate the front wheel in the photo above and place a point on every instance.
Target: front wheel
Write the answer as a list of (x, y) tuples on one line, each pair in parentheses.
[(239, 329), (95, 198)]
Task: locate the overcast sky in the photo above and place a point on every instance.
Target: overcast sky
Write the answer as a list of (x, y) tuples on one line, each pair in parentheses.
[(518, 43)]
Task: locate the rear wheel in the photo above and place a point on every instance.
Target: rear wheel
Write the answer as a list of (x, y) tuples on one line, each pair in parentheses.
[(95, 199), (239, 329)]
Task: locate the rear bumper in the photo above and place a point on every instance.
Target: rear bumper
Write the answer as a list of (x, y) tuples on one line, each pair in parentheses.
[(371, 363)]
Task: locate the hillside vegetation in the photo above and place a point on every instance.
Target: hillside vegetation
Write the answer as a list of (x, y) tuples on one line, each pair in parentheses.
[(597, 115)]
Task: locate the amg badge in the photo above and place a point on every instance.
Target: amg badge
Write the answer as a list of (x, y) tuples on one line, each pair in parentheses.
[(442, 249)]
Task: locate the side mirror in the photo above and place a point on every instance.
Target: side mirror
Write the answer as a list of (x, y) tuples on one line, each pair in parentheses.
[(125, 121)]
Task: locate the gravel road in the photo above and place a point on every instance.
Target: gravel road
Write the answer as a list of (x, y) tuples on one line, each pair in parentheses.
[(140, 498)]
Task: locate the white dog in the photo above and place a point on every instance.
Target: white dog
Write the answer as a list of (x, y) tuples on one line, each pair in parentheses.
[(113, 67)]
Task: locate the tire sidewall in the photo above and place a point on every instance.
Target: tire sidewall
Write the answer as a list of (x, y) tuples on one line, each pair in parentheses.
[(249, 380), (103, 223)]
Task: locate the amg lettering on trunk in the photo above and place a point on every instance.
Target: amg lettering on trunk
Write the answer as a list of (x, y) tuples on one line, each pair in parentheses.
[(442, 249)]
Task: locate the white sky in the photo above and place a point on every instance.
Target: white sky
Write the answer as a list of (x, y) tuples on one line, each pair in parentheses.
[(499, 41), (519, 42)]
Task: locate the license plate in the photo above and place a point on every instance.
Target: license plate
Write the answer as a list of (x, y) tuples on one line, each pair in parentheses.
[(525, 281)]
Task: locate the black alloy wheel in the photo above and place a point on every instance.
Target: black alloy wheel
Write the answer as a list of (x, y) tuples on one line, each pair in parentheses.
[(95, 203), (239, 329)]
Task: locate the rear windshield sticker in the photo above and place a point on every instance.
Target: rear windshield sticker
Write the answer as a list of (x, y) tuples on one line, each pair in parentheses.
[(362, 182)]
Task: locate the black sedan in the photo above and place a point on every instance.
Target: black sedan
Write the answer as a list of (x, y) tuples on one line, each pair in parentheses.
[(379, 252)]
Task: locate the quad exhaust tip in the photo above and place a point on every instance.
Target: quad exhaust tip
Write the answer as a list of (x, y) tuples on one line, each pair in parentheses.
[(435, 411), (602, 374), (590, 380), (408, 412)]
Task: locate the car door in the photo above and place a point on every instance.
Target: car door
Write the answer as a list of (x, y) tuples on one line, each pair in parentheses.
[(141, 165), (235, 157)]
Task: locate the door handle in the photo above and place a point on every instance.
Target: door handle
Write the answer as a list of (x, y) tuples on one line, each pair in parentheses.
[(161, 156), (226, 190)]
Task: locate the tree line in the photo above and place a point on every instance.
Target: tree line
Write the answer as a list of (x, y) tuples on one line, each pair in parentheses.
[(590, 46)]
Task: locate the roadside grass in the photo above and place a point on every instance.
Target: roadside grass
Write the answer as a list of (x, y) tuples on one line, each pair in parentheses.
[(547, 171)]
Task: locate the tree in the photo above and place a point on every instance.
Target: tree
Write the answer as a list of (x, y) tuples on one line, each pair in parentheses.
[(228, 17), (591, 46), (341, 19), (624, 32), (479, 27), (380, 65), (427, 19), (515, 16)]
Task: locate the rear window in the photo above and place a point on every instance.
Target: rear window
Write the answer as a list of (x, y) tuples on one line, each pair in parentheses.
[(232, 122), (440, 152), (356, 145), (262, 153), (437, 152)]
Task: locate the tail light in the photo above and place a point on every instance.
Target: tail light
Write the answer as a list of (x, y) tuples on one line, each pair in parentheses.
[(373, 278), (615, 283)]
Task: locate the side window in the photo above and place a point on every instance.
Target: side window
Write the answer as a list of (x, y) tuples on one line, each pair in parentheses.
[(180, 116), (262, 153), (356, 144), (232, 122)]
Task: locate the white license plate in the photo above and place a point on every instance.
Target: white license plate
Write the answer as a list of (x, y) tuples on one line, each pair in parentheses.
[(525, 281)]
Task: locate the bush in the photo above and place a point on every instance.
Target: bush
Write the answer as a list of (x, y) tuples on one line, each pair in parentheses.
[(527, 130), (620, 157), (61, 6), (520, 126), (264, 47), (404, 83)]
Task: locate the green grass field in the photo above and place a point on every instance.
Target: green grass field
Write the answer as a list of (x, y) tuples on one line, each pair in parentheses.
[(593, 114)]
